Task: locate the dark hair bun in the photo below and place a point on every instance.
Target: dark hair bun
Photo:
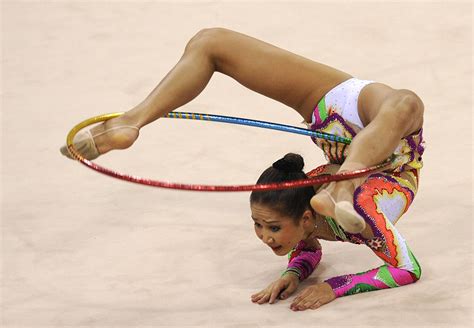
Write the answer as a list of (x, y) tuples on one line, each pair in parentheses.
[(290, 163)]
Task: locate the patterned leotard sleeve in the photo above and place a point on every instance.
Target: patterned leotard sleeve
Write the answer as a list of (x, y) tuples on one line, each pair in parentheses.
[(302, 260), (381, 200)]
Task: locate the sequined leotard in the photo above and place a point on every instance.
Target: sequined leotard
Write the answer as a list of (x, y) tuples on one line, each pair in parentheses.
[(380, 200)]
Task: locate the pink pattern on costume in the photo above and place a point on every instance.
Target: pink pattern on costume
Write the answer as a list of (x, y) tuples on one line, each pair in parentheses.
[(303, 260), (381, 200)]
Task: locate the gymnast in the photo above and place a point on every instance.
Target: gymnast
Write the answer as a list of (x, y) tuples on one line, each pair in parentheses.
[(381, 121), (287, 222)]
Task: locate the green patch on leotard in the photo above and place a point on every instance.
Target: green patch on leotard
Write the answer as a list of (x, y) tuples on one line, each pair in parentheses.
[(386, 277), (323, 113), (290, 253), (416, 266), (360, 288), (336, 228)]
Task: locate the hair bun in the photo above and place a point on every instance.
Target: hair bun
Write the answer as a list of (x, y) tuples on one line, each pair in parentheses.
[(290, 163)]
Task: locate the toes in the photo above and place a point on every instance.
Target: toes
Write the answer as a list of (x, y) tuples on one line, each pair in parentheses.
[(322, 204), (315, 203), (84, 145), (65, 151)]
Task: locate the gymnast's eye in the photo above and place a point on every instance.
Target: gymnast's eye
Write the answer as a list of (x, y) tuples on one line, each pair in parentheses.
[(257, 225), (275, 228)]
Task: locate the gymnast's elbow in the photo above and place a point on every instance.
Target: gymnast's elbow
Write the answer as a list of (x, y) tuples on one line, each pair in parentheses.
[(415, 272)]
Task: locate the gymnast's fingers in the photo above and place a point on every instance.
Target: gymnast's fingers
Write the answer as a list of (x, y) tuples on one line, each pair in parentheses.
[(300, 299), (301, 296), (288, 291), (306, 305), (258, 296), (315, 305), (276, 291), (264, 299)]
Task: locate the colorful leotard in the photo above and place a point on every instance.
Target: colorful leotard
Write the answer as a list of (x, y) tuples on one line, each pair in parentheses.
[(302, 260), (380, 200), (336, 113)]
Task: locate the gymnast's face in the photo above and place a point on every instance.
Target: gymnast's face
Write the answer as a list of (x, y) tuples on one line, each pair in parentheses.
[(277, 231)]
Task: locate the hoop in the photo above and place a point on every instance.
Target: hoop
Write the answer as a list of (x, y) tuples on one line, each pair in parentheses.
[(222, 119), (258, 124)]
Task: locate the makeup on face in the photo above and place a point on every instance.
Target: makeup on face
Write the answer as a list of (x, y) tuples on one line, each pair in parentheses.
[(278, 232)]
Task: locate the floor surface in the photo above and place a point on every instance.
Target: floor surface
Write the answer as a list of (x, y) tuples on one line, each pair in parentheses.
[(83, 250)]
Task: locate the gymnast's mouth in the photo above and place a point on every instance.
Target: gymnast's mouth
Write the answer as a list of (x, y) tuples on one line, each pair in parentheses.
[(277, 248)]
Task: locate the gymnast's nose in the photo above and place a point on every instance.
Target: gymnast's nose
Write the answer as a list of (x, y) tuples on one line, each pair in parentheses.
[(269, 240)]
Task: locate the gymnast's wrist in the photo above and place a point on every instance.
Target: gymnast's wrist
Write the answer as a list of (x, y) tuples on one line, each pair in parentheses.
[(292, 272), (336, 285)]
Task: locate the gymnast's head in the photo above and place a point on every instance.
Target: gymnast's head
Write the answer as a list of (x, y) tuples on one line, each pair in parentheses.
[(283, 217)]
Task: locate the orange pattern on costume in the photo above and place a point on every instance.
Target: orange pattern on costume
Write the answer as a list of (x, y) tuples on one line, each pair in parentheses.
[(381, 200), (371, 201)]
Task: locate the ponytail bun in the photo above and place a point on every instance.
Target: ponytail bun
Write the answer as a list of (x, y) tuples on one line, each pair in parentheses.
[(290, 163)]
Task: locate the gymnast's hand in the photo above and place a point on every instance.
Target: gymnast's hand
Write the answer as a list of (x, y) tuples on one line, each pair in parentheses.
[(313, 297), (281, 288)]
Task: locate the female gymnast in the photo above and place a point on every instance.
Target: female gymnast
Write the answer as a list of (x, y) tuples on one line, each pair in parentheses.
[(286, 221), (381, 121)]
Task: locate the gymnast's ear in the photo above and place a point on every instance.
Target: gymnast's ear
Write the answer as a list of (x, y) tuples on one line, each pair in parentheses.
[(308, 217)]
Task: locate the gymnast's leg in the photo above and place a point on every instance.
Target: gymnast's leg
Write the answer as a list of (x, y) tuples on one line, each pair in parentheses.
[(388, 115), (259, 66)]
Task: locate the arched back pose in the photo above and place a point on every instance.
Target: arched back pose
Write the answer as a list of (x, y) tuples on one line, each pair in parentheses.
[(382, 122)]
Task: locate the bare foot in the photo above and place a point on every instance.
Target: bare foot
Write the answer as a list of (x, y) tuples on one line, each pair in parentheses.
[(336, 201), (117, 133)]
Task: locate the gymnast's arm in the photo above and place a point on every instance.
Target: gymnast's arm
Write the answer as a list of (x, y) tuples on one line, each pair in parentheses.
[(383, 277), (303, 260)]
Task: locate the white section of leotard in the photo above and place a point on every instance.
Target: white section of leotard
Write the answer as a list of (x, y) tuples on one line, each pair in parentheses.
[(343, 98)]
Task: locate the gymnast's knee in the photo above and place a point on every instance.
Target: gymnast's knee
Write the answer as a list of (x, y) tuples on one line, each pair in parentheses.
[(404, 108), (207, 40)]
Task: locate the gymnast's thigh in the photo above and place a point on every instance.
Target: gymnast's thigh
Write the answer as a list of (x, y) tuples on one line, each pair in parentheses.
[(269, 70)]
